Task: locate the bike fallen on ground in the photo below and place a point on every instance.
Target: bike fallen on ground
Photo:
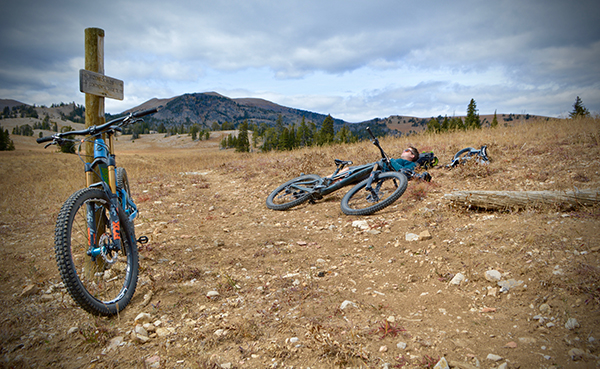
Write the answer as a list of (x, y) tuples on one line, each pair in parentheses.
[(376, 186)]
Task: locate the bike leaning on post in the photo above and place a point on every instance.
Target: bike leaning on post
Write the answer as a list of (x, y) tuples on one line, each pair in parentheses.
[(94, 238), (377, 185)]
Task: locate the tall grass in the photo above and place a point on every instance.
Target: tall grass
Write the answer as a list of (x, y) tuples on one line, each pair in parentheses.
[(559, 153)]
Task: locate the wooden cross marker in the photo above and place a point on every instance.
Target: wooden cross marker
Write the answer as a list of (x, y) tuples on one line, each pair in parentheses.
[(95, 84)]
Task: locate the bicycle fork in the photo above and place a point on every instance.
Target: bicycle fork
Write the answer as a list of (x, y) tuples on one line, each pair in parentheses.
[(103, 244)]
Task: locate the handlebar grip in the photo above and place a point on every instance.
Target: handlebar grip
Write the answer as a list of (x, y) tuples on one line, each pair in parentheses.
[(146, 112), (371, 133), (44, 139)]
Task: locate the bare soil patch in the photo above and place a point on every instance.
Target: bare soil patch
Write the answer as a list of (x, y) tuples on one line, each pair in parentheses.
[(305, 287)]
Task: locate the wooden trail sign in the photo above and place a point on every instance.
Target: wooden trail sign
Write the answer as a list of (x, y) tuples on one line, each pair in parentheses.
[(100, 85)]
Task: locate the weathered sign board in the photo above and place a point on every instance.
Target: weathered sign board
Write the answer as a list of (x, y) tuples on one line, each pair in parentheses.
[(100, 85)]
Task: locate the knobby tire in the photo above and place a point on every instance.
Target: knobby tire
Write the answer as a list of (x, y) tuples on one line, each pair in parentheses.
[(96, 286), (285, 197), (389, 186)]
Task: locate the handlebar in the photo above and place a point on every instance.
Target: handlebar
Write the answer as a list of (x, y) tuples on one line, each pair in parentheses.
[(94, 130), (376, 143)]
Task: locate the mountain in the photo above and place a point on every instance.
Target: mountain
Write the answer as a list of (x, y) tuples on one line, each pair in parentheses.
[(10, 103), (207, 108)]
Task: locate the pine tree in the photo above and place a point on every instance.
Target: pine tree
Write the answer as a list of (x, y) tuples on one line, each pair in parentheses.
[(579, 110), (494, 121), (472, 120), (6, 144), (243, 144), (326, 134), (433, 126)]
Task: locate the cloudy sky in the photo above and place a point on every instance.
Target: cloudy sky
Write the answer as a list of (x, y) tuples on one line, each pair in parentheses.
[(353, 59)]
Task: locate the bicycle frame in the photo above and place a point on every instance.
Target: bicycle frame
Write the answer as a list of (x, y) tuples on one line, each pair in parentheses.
[(104, 166)]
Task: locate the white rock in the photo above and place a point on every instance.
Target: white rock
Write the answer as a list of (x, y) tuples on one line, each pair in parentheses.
[(411, 237), (362, 224), (162, 332), (346, 304), (73, 330), (212, 294), (143, 318), (572, 323), (493, 275), (494, 357), (114, 343), (401, 345), (458, 278), (442, 364)]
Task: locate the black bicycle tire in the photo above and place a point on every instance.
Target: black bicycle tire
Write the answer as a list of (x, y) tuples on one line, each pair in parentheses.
[(401, 187), (461, 156), (290, 204), (65, 258), (122, 180)]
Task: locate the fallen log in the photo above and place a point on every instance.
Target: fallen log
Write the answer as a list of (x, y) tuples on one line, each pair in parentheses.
[(522, 199)]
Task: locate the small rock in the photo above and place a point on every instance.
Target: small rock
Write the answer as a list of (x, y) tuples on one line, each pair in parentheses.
[(505, 286), (30, 289), (511, 344), (572, 323), (73, 330), (494, 357), (153, 362), (425, 235), (162, 332), (212, 294), (492, 291), (576, 354), (493, 275), (383, 349), (391, 319), (139, 334), (143, 318), (442, 364), (411, 237), (544, 308), (458, 278), (114, 343), (362, 224), (346, 304), (401, 345)]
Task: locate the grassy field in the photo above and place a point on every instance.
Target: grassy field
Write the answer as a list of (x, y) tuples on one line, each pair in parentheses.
[(282, 276)]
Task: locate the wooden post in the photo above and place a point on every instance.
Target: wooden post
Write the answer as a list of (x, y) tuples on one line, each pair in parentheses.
[(94, 62)]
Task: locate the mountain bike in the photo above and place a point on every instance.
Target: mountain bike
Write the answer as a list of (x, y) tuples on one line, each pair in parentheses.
[(94, 239), (480, 156), (377, 185)]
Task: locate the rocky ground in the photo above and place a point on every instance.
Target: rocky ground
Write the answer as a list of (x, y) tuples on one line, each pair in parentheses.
[(227, 283)]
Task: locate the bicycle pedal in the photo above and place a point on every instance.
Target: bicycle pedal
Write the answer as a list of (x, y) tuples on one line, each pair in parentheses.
[(142, 240)]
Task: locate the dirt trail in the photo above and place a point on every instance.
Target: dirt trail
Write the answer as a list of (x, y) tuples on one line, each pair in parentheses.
[(228, 283)]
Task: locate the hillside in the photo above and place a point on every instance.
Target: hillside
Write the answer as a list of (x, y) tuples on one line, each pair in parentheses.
[(312, 287), (207, 108)]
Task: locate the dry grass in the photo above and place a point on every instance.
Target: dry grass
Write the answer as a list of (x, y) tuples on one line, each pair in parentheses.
[(240, 233)]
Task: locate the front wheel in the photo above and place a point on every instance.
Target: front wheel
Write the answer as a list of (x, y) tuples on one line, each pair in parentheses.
[(385, 189), (293, 192), (100, 275)]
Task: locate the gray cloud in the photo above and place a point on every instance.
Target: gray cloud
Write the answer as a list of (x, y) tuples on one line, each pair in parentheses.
[(427, 57)]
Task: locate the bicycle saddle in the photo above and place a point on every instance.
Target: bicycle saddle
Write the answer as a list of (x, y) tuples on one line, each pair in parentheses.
[(342, 162)]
